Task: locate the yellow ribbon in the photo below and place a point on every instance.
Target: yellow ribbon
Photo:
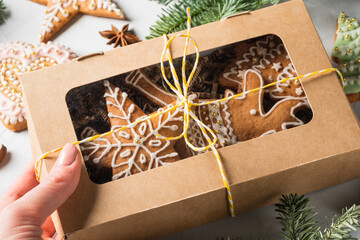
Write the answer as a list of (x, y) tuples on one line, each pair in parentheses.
[(181, 91)]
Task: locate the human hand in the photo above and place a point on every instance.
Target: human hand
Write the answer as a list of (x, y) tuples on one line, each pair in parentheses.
[(26, 206)]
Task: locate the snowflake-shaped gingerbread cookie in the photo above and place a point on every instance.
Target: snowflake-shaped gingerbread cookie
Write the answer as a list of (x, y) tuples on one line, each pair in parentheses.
[(138, 148)]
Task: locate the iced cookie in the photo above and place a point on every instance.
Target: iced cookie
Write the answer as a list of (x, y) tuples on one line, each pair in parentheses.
[(59, 12), (135, 149), (266, 55), (244, 117), (138, 80), (346, 53), (17, 58)]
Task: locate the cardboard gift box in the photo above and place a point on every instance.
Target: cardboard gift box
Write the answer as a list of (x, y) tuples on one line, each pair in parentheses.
[(190, 192)]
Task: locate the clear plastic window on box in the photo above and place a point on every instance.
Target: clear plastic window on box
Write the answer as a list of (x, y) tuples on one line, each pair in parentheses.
[(113, 103)]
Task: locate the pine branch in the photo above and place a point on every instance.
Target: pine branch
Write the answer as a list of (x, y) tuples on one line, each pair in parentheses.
[(2, 12), (163, 2), (341, 228), (174, 17), (296, 219)]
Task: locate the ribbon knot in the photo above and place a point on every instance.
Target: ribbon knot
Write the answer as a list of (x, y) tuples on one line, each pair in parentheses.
[(182, 91)]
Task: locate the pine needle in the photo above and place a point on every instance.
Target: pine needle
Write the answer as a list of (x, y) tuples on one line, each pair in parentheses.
[(342, 227), (296, 219), (174, 17), (2, 12), (163, 2)]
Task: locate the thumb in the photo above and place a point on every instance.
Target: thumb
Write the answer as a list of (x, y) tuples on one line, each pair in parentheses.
[(53, 191)]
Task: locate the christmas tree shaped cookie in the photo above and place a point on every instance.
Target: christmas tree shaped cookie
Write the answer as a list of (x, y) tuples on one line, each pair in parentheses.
[(346, 52)]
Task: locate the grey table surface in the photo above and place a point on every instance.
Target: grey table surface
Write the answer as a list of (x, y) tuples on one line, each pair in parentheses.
[(82, 37)]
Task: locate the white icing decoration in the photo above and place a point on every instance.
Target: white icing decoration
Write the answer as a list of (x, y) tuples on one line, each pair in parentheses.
[(136, 78), (350, 66), (124, 135), (285, 125), (276, 66), (17, 58), (155, 143), (247, 57), (60, 7), (299, 91), (125, 153), (261, 51), (352, 80), (155, 158), (343, 49), (108, 5), (88, 132), (142, 159), (223, 131), (142, 128), (241, 73), (267, 133), (286, 73)]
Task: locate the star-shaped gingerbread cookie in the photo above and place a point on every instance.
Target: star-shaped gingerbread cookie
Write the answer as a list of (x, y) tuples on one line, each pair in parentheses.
[(59, 12), (137, 148)]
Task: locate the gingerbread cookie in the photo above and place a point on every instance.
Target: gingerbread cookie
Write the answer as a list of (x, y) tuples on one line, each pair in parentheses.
[(60, 12), (244, 118), (140, 81), (346, 53), (149, 81), (266, 55), (17, 58), (137, 148)]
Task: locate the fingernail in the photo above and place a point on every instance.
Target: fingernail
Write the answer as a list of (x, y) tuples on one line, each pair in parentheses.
[(68, 155)]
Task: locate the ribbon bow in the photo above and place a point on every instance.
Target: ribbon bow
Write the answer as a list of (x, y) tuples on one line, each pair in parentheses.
[(184, 99), (182, 92)]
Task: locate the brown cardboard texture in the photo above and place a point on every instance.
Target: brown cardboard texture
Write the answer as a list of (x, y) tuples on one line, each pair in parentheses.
[(190, 192)]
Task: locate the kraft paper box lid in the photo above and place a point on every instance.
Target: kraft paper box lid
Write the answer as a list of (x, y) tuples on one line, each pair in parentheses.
[(190, 192)]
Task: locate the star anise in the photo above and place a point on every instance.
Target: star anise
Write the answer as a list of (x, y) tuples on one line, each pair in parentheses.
[(119, 38)]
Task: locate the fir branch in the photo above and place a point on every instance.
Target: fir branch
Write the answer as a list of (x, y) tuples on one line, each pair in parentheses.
[(341, 228), (296, 219), (163, 2), (2, 12), (174, 17)]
